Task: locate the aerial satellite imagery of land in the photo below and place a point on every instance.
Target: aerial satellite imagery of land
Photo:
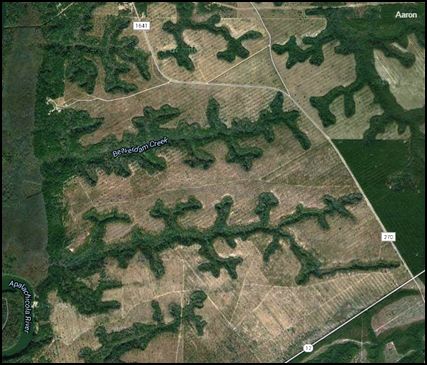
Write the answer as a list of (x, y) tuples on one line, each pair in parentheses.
[(213, 182)]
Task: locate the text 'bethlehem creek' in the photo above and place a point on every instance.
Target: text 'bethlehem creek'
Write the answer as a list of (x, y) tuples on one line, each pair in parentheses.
[(140, 149)]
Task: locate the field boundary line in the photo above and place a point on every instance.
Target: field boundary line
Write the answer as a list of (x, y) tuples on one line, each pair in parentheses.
[(241, 290), (238, 64), (359, 314), (181, 327)]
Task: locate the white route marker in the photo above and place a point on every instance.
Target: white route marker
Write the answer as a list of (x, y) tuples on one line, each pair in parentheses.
[(388, 236), (308, 347), (141, 25)]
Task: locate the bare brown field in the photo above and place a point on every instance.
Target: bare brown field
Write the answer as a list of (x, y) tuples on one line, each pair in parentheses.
[(400, 313), (92, 281), (406, 84), (179, 179), (353, 127), (72, 332), (256, 70), (140, 285), (160, 350), (284, 23), (209, 45), (262, 315), (207, 65), (287, 317), (305, 80), (160, 40), (192, 102), (226, 10)]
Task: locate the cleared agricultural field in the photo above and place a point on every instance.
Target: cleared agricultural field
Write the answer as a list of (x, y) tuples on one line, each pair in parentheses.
[(407, 84), (207, 65), (270, 327), (326, 67), (243, 239)]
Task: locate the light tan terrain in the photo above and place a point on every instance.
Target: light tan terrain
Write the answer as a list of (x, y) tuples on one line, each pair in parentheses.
[(262, 316), (400, 313), (305, 80), (262, 313), (407, 84), (207, 65)]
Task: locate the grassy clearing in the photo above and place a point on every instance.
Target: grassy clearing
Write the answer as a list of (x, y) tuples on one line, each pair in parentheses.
[(408, 340)]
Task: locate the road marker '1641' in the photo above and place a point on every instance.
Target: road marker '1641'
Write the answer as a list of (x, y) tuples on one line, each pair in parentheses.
[(141, 25)]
